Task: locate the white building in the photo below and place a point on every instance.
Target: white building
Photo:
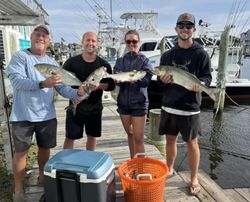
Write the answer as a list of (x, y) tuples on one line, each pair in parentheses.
[(245, 37), (12, 39)]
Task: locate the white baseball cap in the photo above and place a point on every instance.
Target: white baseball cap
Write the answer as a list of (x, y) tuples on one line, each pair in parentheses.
[(43, 27)]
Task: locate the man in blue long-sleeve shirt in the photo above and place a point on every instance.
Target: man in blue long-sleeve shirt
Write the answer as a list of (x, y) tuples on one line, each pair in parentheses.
[(33, 109)]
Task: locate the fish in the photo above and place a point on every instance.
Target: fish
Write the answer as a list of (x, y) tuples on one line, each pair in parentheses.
[(185, 79), (66, 77), (127, 76), (90, 83), (96, 76)]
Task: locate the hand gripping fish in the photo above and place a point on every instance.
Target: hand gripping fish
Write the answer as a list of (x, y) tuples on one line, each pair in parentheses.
[(71, 80), (185, 79), (66, 77)]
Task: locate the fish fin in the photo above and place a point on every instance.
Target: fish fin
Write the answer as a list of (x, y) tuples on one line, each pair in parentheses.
[(213, 92), (71, 107)]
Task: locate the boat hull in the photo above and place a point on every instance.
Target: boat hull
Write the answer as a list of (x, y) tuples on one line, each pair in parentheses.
[(235, 93)]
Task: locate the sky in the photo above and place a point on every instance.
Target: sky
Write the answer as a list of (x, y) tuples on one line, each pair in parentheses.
[(69, 19)]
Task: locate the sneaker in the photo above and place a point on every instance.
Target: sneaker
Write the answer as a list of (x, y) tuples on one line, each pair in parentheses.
[(19, 197)]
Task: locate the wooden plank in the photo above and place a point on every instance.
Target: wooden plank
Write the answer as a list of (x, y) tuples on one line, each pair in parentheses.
[(234, 195), (179, 195), (210, 190), (175, 182), (203, 195), (214, 189), (244, 192), (33, 197)]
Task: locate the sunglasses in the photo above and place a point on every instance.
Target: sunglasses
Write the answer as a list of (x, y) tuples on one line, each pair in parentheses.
[(187, 26), (131, 41)]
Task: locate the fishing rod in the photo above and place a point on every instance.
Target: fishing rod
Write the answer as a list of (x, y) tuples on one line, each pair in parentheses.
[(238, 105), (231, 153), (205, 147), (235, 154)]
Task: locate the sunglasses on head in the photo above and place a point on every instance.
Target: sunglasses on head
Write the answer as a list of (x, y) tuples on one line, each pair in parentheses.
[(131, 41), (183, 25)]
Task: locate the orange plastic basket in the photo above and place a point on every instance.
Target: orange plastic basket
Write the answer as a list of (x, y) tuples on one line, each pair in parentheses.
[(136, 179)]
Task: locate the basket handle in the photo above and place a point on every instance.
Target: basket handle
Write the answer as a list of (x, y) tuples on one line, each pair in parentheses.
[(144, 175), (143, 155)]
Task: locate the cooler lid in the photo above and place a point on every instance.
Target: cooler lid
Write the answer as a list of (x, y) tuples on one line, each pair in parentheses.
[(93, 164)]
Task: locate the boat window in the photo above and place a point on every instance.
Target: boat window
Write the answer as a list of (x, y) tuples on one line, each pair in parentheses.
[(149, 46), (168, 45)]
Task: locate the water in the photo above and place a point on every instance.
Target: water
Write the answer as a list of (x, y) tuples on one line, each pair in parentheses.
[(224, 144)]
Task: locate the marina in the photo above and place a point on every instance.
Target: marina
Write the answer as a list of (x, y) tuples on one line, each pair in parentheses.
[(225, 155)]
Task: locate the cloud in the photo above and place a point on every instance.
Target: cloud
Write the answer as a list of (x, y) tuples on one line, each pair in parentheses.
[(77, 16)]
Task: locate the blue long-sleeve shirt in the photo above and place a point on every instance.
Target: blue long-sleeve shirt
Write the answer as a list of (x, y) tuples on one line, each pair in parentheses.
[(30, 103)]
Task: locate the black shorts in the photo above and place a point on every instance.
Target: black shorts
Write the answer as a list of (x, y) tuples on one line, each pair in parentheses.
[(188, 126), (45, 131), (75, 125), (132, 112)]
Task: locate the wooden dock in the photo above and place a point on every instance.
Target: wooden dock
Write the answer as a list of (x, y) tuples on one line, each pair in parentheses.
[(114, 142)]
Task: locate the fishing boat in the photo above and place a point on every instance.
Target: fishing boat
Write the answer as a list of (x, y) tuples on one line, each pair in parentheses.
[(111, 37)]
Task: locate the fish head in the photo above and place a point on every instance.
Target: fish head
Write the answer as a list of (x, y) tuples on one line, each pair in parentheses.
[(161, 70), (96, 76), (47, 69), (139, 74), (156, 70)]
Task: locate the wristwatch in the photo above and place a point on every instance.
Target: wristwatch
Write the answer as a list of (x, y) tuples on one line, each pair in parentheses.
[(41, 85)]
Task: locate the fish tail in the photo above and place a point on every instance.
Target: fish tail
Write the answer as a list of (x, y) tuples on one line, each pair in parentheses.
[(72, 107), (213, 92)]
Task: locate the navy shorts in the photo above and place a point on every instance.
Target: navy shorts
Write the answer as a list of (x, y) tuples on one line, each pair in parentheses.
[(75, 125), (45, 131), (188, 126), (132, 112)]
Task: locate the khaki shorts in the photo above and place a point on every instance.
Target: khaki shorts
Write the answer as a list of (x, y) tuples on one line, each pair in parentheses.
[(45, 131)]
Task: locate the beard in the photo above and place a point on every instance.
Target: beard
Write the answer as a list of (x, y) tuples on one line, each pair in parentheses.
[(184, 37)]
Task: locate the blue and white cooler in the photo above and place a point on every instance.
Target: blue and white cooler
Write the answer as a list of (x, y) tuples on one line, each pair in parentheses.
[(74, 175)]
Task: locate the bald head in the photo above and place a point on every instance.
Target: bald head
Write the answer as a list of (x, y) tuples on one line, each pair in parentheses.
[(87, 34), (89, 43)]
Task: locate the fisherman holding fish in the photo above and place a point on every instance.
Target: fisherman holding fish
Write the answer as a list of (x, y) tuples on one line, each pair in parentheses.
[(132, 99), (33, 108), (181, 100), (88, 112)]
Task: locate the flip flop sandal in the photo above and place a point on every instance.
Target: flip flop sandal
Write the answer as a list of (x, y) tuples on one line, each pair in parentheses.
[(194, 189)]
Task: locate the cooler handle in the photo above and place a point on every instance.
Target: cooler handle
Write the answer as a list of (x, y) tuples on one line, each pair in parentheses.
[(69, 175)]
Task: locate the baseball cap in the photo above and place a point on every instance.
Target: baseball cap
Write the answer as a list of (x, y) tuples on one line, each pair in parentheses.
[(186, 17), (43, 27)]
